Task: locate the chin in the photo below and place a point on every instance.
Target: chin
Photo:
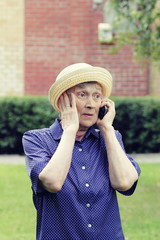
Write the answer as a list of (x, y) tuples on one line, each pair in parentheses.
[(88, 124)]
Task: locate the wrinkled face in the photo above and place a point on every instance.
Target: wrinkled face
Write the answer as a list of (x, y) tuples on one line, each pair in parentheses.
[(88, 100)]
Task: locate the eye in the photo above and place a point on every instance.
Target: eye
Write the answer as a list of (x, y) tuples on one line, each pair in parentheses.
[(97, 95), (81, 94)]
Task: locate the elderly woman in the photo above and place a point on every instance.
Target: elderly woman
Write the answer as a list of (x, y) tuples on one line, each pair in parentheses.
[(76, 169)]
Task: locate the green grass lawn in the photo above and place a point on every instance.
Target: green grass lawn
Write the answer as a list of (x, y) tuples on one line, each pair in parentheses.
[(140, 213), (17, 214)]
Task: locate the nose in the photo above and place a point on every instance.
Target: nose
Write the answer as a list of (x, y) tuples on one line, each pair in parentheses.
[(90, 102)]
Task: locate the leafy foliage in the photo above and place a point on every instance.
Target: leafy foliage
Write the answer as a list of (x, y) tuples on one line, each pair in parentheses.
[(20, 114), (141, 20), (138, 120)]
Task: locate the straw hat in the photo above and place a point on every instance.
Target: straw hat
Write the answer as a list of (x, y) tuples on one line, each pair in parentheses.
[(76, 74)]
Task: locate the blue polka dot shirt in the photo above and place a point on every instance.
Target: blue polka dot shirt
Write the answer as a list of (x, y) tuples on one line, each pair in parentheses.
[(86, 207)]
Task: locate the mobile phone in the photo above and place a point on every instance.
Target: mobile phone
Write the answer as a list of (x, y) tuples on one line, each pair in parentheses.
[(102, 112)]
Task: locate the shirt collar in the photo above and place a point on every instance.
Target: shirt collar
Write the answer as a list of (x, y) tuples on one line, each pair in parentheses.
[(92, 131), (56, 130)]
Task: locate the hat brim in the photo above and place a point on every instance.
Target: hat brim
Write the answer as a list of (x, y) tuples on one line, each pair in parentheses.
[(95, 74)]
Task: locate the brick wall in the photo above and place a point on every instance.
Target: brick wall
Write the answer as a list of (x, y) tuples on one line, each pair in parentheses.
[(11, 47), (59, 33), (154, 83)]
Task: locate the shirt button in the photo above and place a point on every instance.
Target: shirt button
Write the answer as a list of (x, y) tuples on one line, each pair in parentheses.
[(89, 225), (88, 205), (80, 149), (87, 185), (83, 167)]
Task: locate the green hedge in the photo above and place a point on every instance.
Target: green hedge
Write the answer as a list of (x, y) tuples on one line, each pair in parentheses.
[(19, 114), (137, 118)]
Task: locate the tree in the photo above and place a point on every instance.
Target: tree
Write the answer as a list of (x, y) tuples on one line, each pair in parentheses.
[(141, 27)]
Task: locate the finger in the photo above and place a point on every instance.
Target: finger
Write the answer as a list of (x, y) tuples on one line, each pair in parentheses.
[(110, 101), (66, 100), (104, 102), (73, 99), (61, 103), (60, 107), (107, 102)]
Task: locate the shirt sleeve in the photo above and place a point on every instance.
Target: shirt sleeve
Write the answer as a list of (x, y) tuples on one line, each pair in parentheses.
[(37, 157), (135, 164)]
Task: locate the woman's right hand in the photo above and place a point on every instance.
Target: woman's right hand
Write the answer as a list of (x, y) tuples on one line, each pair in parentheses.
[(68, 112)]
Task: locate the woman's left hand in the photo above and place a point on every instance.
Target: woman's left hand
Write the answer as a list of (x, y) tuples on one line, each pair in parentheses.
[(107, 120)]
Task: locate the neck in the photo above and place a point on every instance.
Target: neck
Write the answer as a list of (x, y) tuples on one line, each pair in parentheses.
[(80, 134)]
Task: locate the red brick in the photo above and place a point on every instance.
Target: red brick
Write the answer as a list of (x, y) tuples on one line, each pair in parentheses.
[(59, 33)]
